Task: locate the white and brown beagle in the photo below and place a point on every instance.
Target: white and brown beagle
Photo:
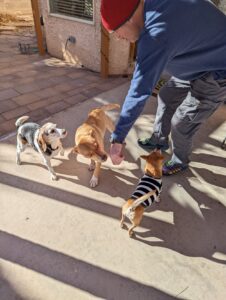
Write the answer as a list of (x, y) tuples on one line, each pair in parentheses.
[(44, 139)]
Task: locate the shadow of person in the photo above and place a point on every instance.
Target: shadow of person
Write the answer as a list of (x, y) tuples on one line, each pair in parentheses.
[(114, 181), (198, 227), (212, 178), (210, 159), (8, 289)]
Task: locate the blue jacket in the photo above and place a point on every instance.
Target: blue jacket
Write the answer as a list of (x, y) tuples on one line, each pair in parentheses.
[(187, 38)]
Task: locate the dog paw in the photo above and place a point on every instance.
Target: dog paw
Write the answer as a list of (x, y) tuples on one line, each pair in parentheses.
[(91, 166), (158, 199), (131, 233), (93, 182), (18, 162), (54, 177)]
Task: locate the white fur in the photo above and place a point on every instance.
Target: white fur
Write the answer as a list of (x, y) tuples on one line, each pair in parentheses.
[(93, 182), (53, 140), (92, 165)]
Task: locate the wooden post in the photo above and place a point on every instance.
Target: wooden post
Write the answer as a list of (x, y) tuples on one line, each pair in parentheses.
[(104, 52), (132, 52), (38, 29)]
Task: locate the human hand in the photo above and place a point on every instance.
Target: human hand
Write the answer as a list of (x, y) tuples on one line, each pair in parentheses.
[(116, 154)]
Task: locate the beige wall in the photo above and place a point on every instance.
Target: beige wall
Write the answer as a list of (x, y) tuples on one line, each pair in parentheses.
[(15, 6), (86, 51), (222, 5)]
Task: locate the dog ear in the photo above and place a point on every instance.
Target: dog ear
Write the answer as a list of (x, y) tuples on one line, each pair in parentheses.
[(92, 133), (145, 157), (75, 149), (41, 140)]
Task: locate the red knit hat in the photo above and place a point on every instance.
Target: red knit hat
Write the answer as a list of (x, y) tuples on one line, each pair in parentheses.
[(115, 13)]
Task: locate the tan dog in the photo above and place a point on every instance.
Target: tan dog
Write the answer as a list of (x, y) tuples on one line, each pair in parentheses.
[(89, 139), (147, 192)]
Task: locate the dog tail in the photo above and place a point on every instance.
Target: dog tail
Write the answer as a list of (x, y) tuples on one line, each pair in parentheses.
[(142, 199), (21, 120), (110, 106)]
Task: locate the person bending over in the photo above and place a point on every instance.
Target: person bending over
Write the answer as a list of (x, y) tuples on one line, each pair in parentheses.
[(186, 38)]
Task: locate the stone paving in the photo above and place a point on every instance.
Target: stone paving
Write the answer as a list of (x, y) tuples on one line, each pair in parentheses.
[(40, 87)]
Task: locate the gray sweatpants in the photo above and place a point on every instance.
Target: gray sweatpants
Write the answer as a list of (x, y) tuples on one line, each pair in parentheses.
[(182, 107)]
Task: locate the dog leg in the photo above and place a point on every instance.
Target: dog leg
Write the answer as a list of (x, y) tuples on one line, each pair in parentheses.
[(95, 178), (131, 230), (136, 219), (48, 165), (158, 199), (122, 220), (92, 165), (19, 148)]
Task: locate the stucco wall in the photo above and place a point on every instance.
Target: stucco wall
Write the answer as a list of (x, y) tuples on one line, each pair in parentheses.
[(222, 5), (86, 50), (15, 6)]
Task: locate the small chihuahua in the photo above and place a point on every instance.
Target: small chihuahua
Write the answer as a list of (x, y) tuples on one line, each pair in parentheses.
[(44, 139), (89, 139), (147, 192)]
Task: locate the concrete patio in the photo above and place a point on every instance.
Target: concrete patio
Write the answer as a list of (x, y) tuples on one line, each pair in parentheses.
[(62, 240)]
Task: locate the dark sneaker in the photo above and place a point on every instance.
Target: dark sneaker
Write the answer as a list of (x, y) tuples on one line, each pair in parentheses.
[(171, 168), (147, 143)]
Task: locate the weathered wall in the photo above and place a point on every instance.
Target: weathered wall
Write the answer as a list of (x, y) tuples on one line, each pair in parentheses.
[(222, 5), (15, 6), (86, 51)]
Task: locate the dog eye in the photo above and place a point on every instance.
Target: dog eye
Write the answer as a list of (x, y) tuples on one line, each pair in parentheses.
[(52, 131)]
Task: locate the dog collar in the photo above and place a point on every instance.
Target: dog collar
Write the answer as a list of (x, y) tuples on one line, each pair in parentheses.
[(49, 149)]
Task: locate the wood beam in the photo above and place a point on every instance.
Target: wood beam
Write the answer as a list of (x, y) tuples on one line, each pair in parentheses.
[(38, 28), (105, 41)]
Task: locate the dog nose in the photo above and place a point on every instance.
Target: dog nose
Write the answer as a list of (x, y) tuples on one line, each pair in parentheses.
[(104, 157), (64, 131)]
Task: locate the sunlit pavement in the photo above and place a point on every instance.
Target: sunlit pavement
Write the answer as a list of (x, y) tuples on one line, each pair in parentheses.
[(62, 240)]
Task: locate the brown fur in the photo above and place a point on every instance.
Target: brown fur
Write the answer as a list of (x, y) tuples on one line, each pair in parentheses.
[(21, 139), (89, 138), (41, 139), (153, 167)]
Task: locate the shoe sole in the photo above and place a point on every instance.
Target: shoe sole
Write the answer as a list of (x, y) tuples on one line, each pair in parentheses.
[(174, 173), (149, 147)]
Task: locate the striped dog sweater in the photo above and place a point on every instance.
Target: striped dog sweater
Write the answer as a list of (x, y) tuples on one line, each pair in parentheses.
[(145, 185)]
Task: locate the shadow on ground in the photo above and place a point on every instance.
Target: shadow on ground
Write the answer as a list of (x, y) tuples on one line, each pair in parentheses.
[(74, 272)]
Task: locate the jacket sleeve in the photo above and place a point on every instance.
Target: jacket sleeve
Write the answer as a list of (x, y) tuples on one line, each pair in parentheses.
[(151, 60)]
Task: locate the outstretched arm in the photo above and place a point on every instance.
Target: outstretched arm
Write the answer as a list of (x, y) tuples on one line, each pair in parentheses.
[(151, 62)]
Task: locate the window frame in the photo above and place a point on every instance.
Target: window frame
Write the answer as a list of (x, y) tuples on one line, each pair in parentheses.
[(70, 18)]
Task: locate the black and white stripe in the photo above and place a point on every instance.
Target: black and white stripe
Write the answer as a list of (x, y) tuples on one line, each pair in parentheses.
[(145, 185)]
